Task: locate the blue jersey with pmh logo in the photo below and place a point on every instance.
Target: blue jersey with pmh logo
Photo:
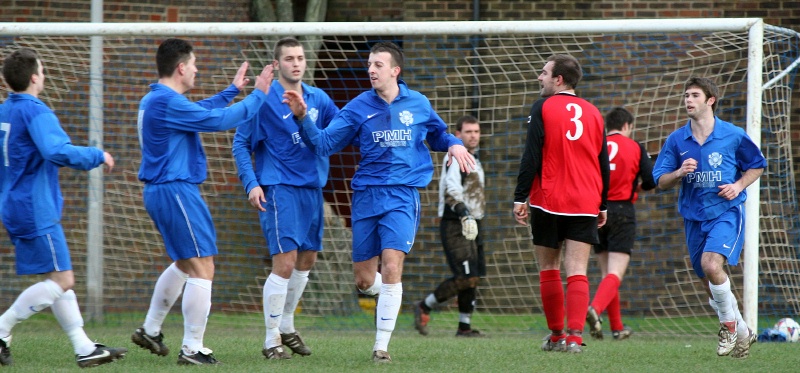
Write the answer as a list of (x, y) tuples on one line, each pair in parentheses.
[(725, 155), (391, 137)]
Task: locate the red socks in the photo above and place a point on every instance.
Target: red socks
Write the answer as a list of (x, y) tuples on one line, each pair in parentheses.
[(606, 291), (614, 314), (577, 303), (552, 292), (607, 299)]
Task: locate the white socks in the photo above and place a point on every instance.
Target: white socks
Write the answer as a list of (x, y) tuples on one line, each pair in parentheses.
[(388, 309), (68, 314), (196, 306), (297, 284), (713, 304), (64, 304), (722, 297), (375, 289), (743, 332), (32, 300), (168, 288), (275, 289), (431, 302)]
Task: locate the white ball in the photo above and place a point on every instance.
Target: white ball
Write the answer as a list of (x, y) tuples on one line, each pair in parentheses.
[(790, 328)]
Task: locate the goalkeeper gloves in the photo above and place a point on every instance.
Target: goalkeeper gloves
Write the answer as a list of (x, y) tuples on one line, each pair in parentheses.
[(469, 227)]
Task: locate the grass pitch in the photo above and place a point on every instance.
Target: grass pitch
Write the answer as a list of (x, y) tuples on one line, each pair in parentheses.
[(39, 345)]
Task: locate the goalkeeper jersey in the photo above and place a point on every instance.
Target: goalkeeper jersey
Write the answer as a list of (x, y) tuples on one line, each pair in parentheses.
[(281, 157), (168, 126), (391, 138), (460, 187), (724, 156), (34, 147)]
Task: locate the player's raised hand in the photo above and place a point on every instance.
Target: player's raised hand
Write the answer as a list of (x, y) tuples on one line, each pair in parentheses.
[(296, 104), (465, 160), (240, 80), (264, 80)]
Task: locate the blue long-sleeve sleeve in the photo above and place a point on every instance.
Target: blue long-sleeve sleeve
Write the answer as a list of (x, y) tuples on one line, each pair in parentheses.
[(55, 146), (242, 148), (168, 128), (339, 133), (221, 99)]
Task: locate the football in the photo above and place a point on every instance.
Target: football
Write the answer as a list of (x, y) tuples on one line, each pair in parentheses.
[(790, 328)]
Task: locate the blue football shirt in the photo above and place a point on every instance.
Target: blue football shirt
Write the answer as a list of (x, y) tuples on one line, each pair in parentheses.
[(391, 138), (725, 155)]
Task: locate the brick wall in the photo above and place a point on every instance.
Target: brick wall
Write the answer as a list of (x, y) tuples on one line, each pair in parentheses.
[(784, 13), (125, 11)]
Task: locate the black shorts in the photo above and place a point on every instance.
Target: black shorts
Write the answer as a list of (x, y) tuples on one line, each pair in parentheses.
[(465, 257), (620, 230), (549, 230)]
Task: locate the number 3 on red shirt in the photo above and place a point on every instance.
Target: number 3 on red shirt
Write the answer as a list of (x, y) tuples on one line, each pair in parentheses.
[(577, 120)]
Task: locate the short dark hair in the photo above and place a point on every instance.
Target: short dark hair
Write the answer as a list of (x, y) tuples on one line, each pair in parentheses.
[(170, 54), (617, 117), (18, 67), (706, 85), (285, 42), (465, 119), (392, 49), (567, 67)]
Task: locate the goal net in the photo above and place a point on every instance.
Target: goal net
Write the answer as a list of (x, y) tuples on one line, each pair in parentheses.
[(489, 72)]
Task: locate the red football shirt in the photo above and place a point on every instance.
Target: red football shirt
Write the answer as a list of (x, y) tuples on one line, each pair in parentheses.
[(624, 158), (565, 159)]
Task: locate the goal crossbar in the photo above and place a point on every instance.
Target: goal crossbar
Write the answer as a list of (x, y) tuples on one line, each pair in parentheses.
[(384, 28)]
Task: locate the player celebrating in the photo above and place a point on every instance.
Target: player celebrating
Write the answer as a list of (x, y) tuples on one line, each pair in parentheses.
[(629, 162), (287, 192), (714, 162), (564, 176), (173, 166), (389, 123), (35, 148)]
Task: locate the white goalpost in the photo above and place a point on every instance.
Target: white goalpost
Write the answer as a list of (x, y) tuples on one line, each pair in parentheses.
[(486, 68)]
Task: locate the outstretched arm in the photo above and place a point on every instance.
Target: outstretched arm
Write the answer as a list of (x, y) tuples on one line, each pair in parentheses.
[(324, 142)]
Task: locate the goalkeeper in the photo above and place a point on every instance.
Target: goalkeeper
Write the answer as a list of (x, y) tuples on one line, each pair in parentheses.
[(461, 206)]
